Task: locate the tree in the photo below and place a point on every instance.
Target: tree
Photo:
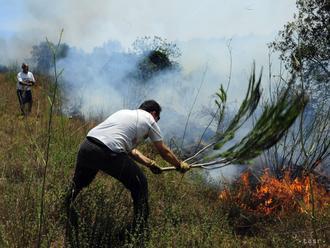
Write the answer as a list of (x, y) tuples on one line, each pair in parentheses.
[(147, 44), (157, 55), (42, 55), (304, 46), (304, 43), (3, 69)]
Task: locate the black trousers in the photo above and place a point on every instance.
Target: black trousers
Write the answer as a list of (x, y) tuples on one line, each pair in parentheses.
[(94, 156), (24, 96)]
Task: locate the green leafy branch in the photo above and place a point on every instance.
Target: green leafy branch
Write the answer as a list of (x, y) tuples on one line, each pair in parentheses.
[(245, 111), (276, 118)]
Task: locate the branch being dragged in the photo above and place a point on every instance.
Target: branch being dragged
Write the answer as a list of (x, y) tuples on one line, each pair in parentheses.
[(220, 163), (272, 124)]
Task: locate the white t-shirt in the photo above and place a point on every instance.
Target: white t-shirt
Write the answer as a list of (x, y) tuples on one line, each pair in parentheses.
[(24, 77), (123, 130)]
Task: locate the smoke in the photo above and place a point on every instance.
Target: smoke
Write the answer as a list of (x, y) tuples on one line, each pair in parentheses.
[(89, 24), (14, 49), (101, 82), (98, 83), (96, 78)]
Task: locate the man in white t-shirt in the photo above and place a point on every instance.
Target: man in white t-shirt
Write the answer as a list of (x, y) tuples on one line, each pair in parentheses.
[(111, 148), (25, 80)]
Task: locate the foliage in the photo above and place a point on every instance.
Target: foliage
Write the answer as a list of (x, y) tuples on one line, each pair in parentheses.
[(152, 63), (221, 104), (304, 46), (306, 147), (245, 111), (304, 43), (269, 129), (3, 69), (146, 44), (275, 120), (157, 55), (42, 56)]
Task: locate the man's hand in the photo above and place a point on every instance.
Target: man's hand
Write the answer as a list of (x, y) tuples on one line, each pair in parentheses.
[(184, 167), (155, 168), (30, 83), (27, 83)]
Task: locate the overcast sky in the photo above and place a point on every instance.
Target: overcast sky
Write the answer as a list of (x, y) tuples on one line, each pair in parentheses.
[(88, 23)]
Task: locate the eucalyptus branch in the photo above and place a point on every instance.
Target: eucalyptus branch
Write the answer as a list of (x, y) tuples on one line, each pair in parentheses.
[(199, 152), (223, 163), (221, 105), (246, 109), (270, 127)]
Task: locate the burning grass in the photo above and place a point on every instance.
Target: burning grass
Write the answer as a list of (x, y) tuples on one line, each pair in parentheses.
[(272, 196)]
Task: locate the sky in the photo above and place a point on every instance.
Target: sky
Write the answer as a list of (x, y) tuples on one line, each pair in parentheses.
[(88, 24)]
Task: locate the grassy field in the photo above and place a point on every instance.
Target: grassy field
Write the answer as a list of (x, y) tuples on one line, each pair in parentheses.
[(186, 211)]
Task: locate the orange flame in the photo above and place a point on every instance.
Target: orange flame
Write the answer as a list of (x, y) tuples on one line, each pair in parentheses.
[(278, 196)]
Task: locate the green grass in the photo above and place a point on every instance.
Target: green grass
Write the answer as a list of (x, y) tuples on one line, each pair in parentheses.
[(184, 211)]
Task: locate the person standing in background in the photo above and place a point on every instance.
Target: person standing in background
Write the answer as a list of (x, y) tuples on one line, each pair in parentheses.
[(25, 80)]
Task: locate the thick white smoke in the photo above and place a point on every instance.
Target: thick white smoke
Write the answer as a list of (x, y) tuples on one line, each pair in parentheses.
[(99, 83)]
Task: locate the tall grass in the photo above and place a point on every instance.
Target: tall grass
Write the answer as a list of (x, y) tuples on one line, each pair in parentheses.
[(51, 99)]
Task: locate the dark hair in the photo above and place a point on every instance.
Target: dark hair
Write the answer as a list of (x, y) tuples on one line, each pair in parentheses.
[(151, 105)]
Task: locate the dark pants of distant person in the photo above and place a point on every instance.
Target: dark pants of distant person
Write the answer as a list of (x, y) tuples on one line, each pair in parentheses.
[(93, 156), (24, 97)]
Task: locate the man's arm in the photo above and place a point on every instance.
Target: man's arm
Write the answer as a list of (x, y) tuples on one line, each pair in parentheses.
[(167, 154), (26, 83), (139, 157), (32, 81)]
